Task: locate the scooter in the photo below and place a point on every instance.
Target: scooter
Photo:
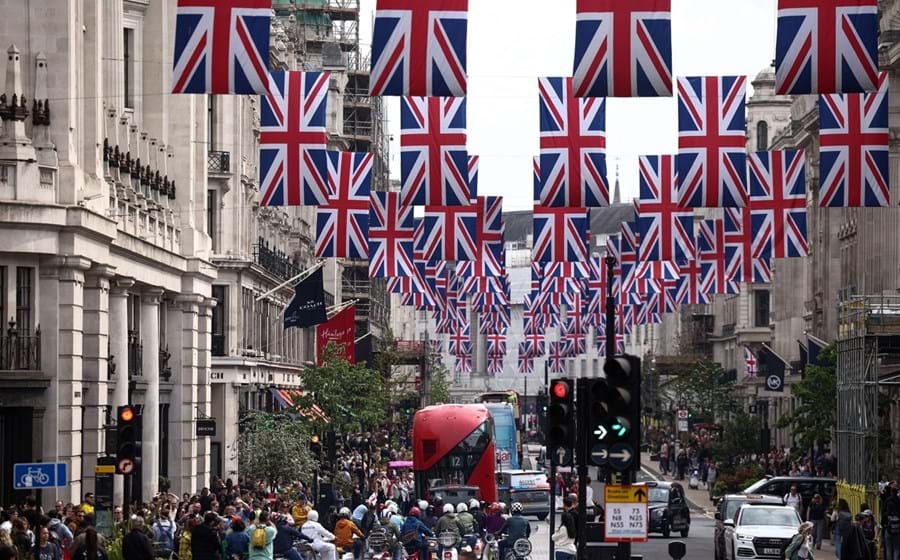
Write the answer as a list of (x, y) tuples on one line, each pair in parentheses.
[(448, 541), (521, 550)]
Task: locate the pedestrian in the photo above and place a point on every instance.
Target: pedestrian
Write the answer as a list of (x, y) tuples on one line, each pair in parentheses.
[(681, 462), (712, 475), (136, 545), (866, 521), (890, 520), (794, 499), (815, 514), (565, 536), (801, 545), (842, 522), (664, 458), (854, 545), (92, 549), (237, 541), (45, 549), (205, 543)]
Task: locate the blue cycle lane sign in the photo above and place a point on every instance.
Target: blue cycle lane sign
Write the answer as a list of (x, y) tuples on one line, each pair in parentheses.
[(39, 475)]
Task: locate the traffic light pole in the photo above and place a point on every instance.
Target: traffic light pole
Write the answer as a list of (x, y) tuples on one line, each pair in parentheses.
[(583, 457)]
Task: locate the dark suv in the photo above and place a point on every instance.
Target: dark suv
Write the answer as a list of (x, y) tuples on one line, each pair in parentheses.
[(668, 509), (807, 486)]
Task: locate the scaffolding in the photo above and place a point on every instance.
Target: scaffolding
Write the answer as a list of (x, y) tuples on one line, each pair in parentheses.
[(868, 360)]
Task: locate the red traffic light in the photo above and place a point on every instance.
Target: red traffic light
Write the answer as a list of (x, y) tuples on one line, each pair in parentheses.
[(126, 414), (560, 390)]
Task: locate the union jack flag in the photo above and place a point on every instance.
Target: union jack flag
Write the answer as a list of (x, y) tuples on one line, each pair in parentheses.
[(666, 229), (689, 290), (574, 333), (744, 248), (573, 147), (460, 338), (496, 343), (750, 362), (646, 314), (629, 241), (600, 339), (853, 138), (293, 167), (559, 234), (342, 225), (495, 365), (419, 48), (391, 232), (711, 248), (489, 260), (623, 49), (597, 289), (826, 46), (222, 46), (473, 176), (778, 202), (434, 163), (533, 345), (536, 160), (450, 233), (661, 297), (712, 164), (464, 364), (526, 364), (658, 270), (557, 355)]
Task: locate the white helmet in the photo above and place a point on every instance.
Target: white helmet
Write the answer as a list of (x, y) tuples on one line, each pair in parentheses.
[(344, 511), (461, 507), (423, 505), (392, 507), (448, 508), (474, 504), (313, 516)]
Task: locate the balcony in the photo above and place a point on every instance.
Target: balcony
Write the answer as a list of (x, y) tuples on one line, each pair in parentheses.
[(275, 262), (218, 163), (18, 351), (135, 355)]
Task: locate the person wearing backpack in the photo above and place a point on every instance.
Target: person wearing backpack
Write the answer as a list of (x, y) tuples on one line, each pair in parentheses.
[(890, 522), (262, 535), (164, 533)]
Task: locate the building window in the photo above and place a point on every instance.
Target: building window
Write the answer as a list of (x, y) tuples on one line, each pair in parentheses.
[(211, 122), (761, 308), (762, 136), (218, 320), (23, 299), (128, 59), (211, 217), (3, 316)]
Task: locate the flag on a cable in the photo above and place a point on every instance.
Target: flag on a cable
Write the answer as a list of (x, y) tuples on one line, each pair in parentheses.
[(307, 307), (771, 368)]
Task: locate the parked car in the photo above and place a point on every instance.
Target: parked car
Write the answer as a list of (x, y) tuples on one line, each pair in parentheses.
[(668, 509), (529, 488), (726, 508), (760, 531), (807, 486)]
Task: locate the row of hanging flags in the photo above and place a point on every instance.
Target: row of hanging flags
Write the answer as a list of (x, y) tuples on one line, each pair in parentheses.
[(452, 259)]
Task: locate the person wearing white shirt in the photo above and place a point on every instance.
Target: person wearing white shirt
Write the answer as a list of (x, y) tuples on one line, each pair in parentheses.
[(794, 499), (321, 537)]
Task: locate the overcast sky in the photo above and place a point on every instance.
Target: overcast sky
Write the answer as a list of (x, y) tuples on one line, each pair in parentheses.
[(512, 42)]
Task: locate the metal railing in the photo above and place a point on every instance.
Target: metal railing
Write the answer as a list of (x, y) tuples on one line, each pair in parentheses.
[(20, 352), (218, 162), (274, 261)]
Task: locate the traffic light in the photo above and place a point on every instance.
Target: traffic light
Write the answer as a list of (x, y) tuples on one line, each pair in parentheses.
[(128, 438), (561, 421), (614, 414)]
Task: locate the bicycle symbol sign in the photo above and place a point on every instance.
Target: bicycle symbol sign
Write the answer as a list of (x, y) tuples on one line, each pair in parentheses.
[(39, 475)]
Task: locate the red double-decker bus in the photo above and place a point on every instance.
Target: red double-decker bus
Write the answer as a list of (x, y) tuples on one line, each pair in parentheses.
[(453, 445)]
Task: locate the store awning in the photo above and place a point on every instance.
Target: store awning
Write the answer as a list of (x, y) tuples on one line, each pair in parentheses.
[(286, 398)]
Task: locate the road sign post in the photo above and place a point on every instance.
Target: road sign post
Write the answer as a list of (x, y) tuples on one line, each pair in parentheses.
[(627, 519)]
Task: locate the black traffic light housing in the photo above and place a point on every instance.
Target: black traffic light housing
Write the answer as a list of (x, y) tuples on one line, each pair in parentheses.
[(129, 426), (561, 420), (613, 415)]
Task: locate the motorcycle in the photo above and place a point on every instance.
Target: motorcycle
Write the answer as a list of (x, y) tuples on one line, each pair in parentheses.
[(378, 545), (448, 541), (521, 550), (491, 550), (304, 549)]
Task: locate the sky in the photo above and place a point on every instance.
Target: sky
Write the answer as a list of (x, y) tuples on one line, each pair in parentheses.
[(512, 42)]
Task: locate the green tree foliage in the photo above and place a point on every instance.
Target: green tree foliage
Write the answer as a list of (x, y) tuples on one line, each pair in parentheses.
[(275, 447), (353, 397), (740, 434), (813, 419), (440, 385), (706, 393)]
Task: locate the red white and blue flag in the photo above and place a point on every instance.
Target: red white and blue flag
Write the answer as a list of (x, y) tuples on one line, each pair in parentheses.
[(666, 229), (573, 147), (525, 364), (451, 233), (342, 225), (853, 148), (536, 160), (391, 232), (629, 244), (419, 48), (460, 337), (434, 163), (557, 354), (778, 202), (560, 234), (745, 248), (495, 365), (464, 364), (222, 46), (623, 48), (293, 167), (711, 248), (826, 46), (689, 290), (489, 260), (712, 162), (750, 362)]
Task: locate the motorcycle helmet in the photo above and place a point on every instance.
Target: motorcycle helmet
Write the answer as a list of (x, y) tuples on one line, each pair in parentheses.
[(344, 512), (494, 508), (313, 516), (414, 512), (517, 508), (461, 507), (448, 508), (392, 507), (423, 505), (474, 504)]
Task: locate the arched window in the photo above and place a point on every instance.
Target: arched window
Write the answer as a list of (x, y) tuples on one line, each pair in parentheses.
[(762, 136)]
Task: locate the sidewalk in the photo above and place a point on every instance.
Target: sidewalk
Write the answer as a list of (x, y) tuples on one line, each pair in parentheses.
[(701, 504)]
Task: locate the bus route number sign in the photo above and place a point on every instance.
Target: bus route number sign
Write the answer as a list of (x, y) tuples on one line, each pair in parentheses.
[(626, 517)]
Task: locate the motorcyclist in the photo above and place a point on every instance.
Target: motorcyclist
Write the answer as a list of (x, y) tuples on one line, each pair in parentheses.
[(283, 545), (449, 523), (515, 528), (393, 533), (429, 518), (466, 523), (493, 519), (477, 515), (322, 539), (413, 533), (344, 530)]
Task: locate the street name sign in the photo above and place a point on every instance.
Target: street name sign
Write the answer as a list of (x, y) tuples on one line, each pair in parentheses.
[(626, 517)]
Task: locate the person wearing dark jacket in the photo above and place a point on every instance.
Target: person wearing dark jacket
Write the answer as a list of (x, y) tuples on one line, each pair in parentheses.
[(136, 545), (854, 546), (515, 528), (205, 543), (283, 545)]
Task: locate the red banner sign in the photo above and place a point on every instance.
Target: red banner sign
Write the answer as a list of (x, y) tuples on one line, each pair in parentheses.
[(341, 330)]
